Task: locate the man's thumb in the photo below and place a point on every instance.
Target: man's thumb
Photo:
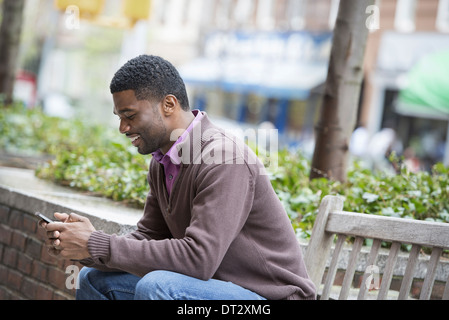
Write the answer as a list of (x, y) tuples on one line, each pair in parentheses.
[(75, 217), (63, 217)]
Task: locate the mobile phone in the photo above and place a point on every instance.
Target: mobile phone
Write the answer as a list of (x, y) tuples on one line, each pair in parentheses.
[(40, 215)]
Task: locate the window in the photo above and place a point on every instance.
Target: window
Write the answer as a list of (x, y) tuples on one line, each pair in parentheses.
[(296, 11), (442, 23), (264, 18), (404, 20)]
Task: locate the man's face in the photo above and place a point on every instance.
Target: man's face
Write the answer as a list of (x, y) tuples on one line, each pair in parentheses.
[(141, 121)]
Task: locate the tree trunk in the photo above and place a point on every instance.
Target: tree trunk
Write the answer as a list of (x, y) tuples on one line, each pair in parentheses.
[(342, 91), (10, 30)]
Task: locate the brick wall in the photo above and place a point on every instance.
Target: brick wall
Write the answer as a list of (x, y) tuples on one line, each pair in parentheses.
[(27, 271)]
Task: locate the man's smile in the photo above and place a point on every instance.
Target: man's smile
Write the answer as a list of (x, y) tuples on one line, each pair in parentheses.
[(135, 138)]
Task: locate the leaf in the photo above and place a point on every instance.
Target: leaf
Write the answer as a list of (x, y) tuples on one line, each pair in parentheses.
[(389, 211), (370, 197), (414, 193)]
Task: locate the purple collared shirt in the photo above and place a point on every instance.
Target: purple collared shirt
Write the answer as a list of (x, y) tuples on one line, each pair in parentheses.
[(170, 160)]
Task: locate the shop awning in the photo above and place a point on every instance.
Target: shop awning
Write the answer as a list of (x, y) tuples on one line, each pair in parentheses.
[(426, 93)]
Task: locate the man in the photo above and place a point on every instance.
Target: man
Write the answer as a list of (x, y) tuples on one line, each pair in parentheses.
[(212, 228)]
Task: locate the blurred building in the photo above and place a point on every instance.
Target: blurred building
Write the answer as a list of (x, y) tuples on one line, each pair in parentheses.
[(250, 61), (410, 32), (266, 60), (263, 61)]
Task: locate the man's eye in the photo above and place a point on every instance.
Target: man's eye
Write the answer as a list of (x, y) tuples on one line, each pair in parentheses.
[(129, 117)]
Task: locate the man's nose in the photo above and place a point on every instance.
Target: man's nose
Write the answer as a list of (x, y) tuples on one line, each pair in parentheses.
[(124, 126)]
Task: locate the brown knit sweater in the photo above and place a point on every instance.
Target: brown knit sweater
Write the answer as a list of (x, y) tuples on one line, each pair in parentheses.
[(222, 220)]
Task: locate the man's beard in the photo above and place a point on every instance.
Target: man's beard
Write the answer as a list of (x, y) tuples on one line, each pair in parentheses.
[(150, 142)]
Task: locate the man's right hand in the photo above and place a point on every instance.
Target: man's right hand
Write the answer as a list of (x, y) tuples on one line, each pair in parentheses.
[(53, 236)]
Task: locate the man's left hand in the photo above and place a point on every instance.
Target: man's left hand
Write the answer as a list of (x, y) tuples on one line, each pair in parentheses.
[(69, 238)]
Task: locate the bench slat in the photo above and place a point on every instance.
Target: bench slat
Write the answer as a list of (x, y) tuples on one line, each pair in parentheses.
[(371, 261), (409, 272), (389, 229), (426, 289), (352, 263), (388, 272), (321, 242), (332, 268), (446, 290)]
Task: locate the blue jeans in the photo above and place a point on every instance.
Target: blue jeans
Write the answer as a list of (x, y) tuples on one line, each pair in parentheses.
[(156, 285)]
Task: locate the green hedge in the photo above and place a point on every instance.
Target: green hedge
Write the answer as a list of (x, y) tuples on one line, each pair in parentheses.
[(101, 161), (423, 195), (88, 157)]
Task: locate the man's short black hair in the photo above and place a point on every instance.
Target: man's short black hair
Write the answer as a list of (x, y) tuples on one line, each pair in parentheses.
[(151, 78)]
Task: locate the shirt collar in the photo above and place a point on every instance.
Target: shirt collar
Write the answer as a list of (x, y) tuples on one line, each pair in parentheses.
[(172, 154)]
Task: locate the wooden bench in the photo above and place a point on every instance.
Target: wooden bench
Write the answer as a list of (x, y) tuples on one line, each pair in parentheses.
[(331, 222)]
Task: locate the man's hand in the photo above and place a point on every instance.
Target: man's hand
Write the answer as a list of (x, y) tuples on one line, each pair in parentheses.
[(69, 238)]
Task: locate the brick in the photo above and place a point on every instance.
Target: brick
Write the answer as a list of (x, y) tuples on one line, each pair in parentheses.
[(18, 240), (58, 295), (416, 288), (16, 296), (10, 257), (39, 270), (47, 258), (14, 280), (5, 234), (41, 234), (29, 288), (438, 290), (24, 264), (63, 263), (15, 219), (33, 248), (4, 293), (30, 224), (44, 293), (4, 214), (3, 274), (56, 277)]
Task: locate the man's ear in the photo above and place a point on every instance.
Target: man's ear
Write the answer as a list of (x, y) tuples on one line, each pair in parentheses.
[(169, 104)]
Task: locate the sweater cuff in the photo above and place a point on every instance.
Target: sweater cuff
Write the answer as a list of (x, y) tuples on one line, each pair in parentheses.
[(98, 246)]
